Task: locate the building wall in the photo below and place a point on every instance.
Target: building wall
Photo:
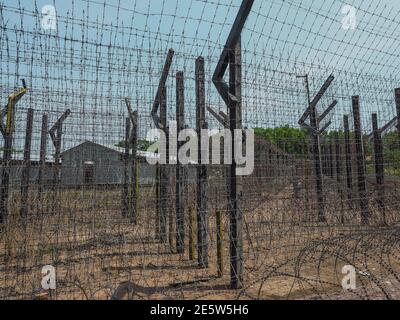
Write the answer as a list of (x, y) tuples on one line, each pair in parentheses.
[(108, 166), (15, 173)]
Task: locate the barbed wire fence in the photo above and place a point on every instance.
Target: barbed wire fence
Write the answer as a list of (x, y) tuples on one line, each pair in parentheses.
[(84, 83)]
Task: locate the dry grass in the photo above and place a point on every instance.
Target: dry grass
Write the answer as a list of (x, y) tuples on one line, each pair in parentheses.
[(95, 249)]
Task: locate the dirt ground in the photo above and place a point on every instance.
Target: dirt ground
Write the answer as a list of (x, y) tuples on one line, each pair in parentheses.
[(287, 255)]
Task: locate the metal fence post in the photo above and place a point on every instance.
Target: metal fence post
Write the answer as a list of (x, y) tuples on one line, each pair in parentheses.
[(235, 182), (180, 176), (133, 146), (125, 193), (25, 178), (202, 244), (379, 167), (397, 100), (362, 189), (349, 170), (42, 161), (338, 151), (163, 169)]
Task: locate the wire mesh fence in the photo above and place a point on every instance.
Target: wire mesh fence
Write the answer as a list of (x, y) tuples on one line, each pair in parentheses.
[(86, 196)]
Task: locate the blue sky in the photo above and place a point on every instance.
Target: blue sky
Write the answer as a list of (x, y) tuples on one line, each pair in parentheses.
[(101, 54)]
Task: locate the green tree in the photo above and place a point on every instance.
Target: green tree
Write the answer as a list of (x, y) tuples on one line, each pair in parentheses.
[(291, 140), (143, 145), (391, 152)]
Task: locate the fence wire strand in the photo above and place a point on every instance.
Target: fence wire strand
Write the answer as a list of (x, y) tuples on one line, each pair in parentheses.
[(87, 202)]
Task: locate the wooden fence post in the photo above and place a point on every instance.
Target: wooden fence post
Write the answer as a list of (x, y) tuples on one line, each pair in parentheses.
[(163, 169), (56, 172), (202, 243), (349, 170), (397, 100), (331, 169), (362, 189), (323, 159), (42, 161), (220, 257), (338, 151), (25, 178), (133, 146), (158, 200), (125, 193), (131, 143), (180, 176), (235, 182), (192, 234), (171, 232), (379, 167), (307, 178)]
